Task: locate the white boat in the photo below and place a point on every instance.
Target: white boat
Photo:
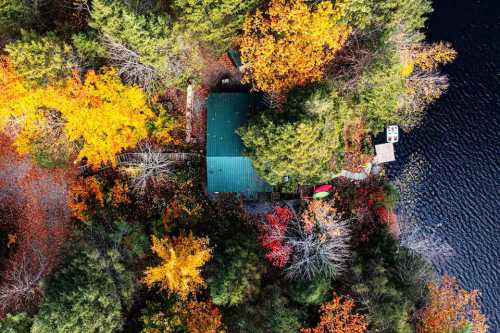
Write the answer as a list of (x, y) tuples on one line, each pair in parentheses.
[(392, 134)]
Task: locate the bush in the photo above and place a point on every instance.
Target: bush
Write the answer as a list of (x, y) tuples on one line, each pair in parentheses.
[(391, 196)]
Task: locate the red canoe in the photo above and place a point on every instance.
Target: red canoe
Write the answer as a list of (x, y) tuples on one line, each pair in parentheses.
[(323, 188)]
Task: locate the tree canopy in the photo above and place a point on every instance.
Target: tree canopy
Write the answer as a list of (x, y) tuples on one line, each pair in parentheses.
[(182, 258), (215, 23), (290, 43), (146, 48), (89, 293), (98, 117), (105, 220)]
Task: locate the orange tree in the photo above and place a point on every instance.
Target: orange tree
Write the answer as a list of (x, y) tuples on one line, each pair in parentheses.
[(181, 260), (451, 309), (202, 317), (97, 117), (337, 317), (291, 43)]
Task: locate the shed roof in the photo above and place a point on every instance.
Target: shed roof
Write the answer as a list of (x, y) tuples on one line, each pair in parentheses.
[(227, 169)]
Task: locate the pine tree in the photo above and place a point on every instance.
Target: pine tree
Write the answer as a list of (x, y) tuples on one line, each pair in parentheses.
[(215, 23), (41, 59), (235, 276), (292, 153), (147, 49), (17, 323), (89, 293)]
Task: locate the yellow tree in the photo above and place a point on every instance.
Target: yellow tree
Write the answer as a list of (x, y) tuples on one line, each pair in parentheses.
[(97, 117), (451, 308), (105, 114), (181, 260), (291, 43), (429, 57)]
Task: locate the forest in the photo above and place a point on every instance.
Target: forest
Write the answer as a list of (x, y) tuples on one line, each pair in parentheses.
[(105, 221)]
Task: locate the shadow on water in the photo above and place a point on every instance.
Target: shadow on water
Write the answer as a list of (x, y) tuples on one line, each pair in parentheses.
[(449, 169)]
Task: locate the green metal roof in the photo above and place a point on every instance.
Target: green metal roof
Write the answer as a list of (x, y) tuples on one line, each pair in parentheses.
[(235, 57), (227, 169)]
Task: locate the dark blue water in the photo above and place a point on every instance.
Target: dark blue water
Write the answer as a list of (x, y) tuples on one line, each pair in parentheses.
[(449, 169)]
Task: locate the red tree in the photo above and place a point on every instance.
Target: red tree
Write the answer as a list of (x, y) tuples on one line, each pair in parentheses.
[(272, 235), (36, 199)]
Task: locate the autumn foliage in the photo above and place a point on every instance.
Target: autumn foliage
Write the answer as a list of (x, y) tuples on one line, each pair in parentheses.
[(337, 317), (33, 203), (181, 260), (290, 44), (96, 117), (355, 135), (451, 308), (202, 317), (272, 236), (85, 195), (318, 211)]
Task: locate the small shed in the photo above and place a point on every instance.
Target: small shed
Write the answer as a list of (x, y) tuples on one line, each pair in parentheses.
[(384, 153), (228, 170)]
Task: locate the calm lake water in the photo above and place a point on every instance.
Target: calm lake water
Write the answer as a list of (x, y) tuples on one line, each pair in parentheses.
[(449, 169)]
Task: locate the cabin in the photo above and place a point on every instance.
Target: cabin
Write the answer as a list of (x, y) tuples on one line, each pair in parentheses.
[(228, 170)]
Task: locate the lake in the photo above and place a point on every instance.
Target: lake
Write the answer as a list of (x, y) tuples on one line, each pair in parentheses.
[(449, 169)]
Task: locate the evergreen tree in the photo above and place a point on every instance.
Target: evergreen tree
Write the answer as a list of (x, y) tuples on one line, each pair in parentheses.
[(13, 13), (16, 323), (88, 293), (272, 313), (215, 23), (380, 93), (16, 15), (385, 282), (41, 59), (88, 49), (315, 291), (147, 49), (236, 273), (387, 15), (301, 145)]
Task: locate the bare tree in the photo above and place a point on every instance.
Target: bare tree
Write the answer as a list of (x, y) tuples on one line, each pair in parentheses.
[(324, 250), (149, 165), (20, 284), (130, 68), (424, 243), (424, 88)]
